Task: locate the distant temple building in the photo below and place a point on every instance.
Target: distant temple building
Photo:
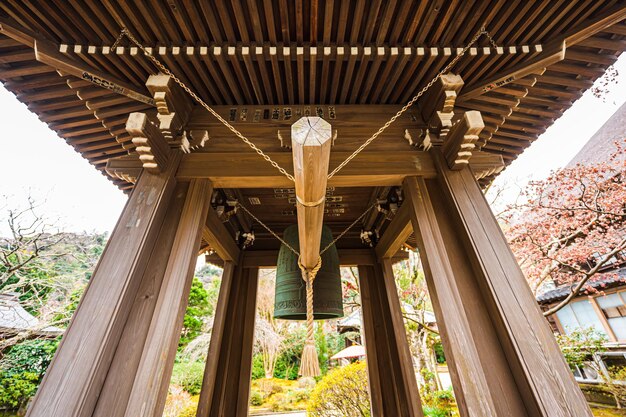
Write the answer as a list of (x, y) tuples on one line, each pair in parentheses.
[(602, 305)]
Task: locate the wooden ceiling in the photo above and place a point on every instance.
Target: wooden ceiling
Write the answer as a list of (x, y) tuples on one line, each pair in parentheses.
[(277, 54)]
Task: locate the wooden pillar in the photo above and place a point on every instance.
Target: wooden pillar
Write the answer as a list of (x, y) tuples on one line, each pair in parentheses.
[(115, 393), (393, 388), (76, 375), (503, 358), (226, 384), (152, 378)]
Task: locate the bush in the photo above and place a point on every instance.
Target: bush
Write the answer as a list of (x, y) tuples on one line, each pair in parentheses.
[(22, 369), (16, 390), (189, 376), (439, 403), (257, 367), (256, 398), (197, 309), (343, 391)]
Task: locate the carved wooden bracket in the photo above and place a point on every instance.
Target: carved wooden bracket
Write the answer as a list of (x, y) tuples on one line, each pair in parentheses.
[(437, 104), (173, 106), (150, 143), (461, 140)]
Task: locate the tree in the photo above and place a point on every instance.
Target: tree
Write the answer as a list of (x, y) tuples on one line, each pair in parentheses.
[(571, 226), (269, 332), (45, 268), (422, 339)]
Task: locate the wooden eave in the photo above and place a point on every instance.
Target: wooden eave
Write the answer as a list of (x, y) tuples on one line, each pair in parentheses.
[(351, 55)]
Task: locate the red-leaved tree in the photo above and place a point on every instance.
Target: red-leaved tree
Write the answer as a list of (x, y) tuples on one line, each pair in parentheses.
[(571, 226)]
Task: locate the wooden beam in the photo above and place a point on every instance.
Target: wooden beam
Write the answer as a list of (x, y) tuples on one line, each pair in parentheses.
[(113, 398), (437, 105), (226, 383), (149, 142), (460, 141), (395, 234), (245, 170), (147, 397), (74, 380), (590, 27), (48, 53), (219, 239), (391, 376), (347, 257), (310, 143), (554, 52), (126, 168)]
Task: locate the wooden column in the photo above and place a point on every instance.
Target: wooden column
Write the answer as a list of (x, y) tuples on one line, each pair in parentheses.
[(76, 375), (226, 384), (115, 393), (504, 360), (151, 381), (393, 388)]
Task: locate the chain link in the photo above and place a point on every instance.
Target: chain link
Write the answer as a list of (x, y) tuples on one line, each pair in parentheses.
[(291, 248), (347, 229), (493, 43), (197, 98), (409, 104), (266, 227)]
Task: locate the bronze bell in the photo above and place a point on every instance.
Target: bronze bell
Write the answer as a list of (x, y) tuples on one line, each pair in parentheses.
[(290, 295)]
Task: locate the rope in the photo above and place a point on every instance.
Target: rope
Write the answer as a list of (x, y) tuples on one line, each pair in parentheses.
[(309, 364), (165, 70)]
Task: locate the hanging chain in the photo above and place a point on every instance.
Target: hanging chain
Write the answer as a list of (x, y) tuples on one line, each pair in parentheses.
[(411, 102), (291, 248), (347, 229), (266, 227), (199, 100), (493, 43), (165, 70)]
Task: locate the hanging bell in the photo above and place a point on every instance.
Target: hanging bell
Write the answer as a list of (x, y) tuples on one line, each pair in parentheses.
[(290, 295)]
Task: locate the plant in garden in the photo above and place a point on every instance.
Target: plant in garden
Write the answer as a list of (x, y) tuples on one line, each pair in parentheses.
[(617, 384), (580, 346), (571, 226), (413, 292), (342, 392), (198, 309), (22, 369)]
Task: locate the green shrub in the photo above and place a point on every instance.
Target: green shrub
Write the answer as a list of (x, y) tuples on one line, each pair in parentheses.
[(197, 309), (279, 402), (343, 391), (435, 412), (258, 371), (16, 389), (191, 409), (439, 403), (256, 398), (189, 376), (21, 370)]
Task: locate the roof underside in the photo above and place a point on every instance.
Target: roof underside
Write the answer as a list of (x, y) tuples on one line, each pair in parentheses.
[(306, 52)]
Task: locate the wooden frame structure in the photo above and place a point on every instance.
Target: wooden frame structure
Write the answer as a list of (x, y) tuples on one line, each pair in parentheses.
[(263, 66)]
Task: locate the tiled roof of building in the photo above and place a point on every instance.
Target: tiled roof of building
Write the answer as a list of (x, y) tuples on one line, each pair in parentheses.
[(603, 282), (602, 143)]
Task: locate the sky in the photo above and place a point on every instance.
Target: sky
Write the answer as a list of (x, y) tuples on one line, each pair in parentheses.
[(35, 161)]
